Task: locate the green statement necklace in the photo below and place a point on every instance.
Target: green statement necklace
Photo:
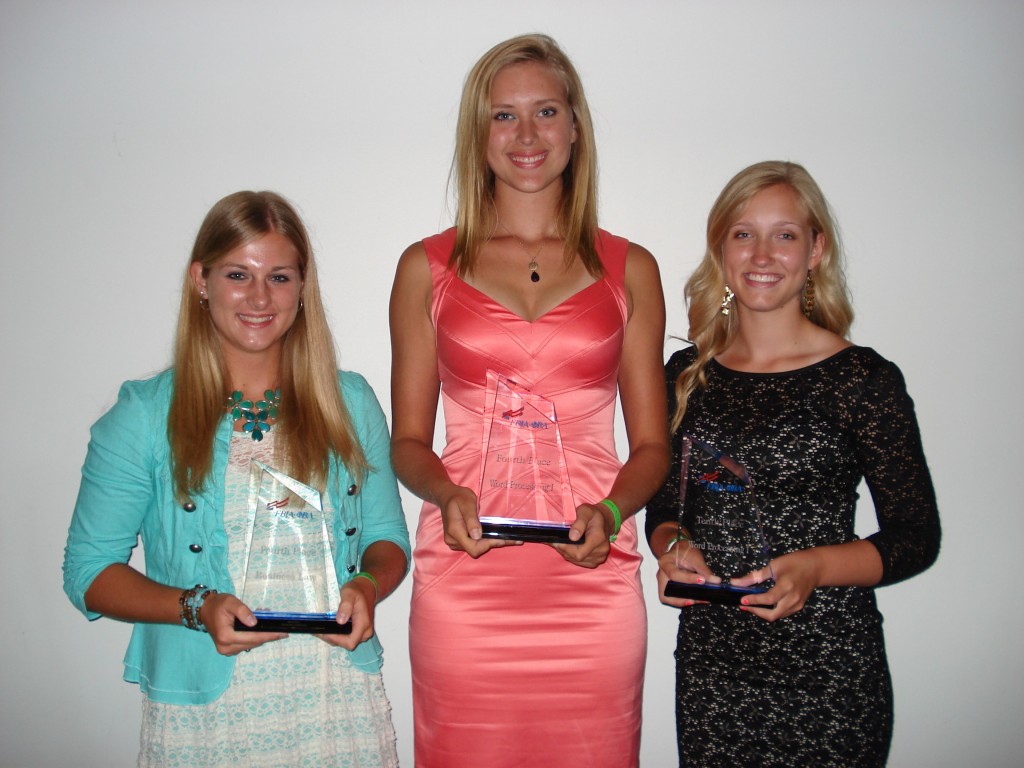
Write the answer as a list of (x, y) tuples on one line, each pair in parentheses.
[(256, 417)]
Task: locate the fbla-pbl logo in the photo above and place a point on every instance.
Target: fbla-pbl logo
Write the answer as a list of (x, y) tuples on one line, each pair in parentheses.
[(710, 481), (279, 504)]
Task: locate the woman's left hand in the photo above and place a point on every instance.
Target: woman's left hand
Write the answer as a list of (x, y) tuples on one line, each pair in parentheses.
[(796, 576), (358, 601), (590, 527)]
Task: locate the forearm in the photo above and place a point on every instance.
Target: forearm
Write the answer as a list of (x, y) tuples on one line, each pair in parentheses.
[(639, 478), (854, 564), (420, 470), (387, 564), (121, 592)]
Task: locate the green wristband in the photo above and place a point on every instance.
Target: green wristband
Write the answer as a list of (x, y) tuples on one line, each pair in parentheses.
[(616, 514), (366, 575)]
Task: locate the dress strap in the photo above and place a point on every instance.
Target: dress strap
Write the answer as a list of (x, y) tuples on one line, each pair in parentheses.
[(439, 250), (612, 250)]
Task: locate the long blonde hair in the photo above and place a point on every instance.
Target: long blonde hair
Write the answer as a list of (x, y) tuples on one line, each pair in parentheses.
[(314, 423), (711, 331), (474, 180)]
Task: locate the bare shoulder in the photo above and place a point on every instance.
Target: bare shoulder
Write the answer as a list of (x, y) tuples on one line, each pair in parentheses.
[(414, 259), (413, 268), (412, 284), (826, 343), (643, 280), (638, 257)]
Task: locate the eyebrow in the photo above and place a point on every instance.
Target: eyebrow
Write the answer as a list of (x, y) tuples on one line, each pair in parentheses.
[(537, 103), (240, 265), (745, 223)]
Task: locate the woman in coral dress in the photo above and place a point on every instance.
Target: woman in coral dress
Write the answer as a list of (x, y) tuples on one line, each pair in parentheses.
[(527, 654)]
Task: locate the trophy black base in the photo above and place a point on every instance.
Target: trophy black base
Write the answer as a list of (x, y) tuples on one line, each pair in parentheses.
[(530, 531), (722, 594), (296, 623)]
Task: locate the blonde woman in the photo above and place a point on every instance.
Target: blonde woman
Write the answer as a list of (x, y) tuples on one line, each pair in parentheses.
[(170, 463), (529, 654), (796, 675)]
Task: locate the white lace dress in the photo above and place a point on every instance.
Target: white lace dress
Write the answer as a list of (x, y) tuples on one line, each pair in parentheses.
[(294, 702)]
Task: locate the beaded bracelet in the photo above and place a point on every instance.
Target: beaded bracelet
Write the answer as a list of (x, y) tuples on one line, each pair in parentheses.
[(616, 514), (376, 586), (190, 603)]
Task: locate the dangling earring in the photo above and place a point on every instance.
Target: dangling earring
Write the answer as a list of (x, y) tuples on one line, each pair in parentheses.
[(809, 295), (204, 303), (727, 300)]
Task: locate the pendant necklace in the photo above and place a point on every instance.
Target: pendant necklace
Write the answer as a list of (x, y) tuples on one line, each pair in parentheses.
[(256, 417), (532, 266)]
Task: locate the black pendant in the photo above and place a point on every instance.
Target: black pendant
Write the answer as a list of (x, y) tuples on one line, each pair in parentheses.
[(534, 277)]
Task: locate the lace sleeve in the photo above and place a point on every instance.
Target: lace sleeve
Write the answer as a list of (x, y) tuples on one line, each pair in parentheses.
[(892, 460)]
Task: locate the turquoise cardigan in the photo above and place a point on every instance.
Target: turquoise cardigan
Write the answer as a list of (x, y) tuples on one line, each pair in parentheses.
[(127, 493)]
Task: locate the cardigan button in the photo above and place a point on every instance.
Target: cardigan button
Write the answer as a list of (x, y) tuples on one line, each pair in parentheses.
[(189, 506), (351, 569), (350, 531), (196, 548), (352, 490)]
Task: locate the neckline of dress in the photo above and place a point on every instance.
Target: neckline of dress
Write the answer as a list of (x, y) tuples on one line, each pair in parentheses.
[(543, 314), (802, 369)]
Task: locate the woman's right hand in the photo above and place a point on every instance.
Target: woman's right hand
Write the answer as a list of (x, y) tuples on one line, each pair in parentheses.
[(462, 531), (218, 615), (684, 563)]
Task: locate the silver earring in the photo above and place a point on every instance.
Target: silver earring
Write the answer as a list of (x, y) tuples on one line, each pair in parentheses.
[(727, 301)]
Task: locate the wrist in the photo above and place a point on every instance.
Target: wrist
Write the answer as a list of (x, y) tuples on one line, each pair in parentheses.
[(367, 577), (190, 605), (612, 517), (680, 536)]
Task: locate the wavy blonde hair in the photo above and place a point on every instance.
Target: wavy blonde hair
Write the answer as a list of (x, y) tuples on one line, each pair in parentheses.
[(711, 332), (314, 423), (475, 217)]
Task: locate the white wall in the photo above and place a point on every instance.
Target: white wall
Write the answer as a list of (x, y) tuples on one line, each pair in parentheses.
[(122, 121)]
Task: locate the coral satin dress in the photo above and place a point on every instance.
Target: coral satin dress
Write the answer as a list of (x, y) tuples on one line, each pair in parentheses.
[(520, 658)]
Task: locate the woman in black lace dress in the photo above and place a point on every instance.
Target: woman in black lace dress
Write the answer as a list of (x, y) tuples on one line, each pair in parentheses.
[(797, 675)]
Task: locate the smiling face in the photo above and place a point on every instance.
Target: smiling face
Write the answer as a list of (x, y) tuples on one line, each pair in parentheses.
[(253, 293), (768, 250), (532, 128)]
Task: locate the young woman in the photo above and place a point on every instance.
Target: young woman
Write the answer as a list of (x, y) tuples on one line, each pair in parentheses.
[(170, 463), (530, 654), (796, 675)]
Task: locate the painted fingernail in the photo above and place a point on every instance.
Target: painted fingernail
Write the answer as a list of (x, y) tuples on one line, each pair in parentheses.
[(700, 579)]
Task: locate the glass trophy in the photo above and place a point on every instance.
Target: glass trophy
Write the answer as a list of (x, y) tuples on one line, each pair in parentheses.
[(524, 483), (718, 512), (289, 581)]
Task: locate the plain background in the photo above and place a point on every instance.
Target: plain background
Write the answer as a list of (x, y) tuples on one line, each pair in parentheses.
[(123, 121)]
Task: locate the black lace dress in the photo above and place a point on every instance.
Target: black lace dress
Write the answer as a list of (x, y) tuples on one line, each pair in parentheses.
[(811, 689)]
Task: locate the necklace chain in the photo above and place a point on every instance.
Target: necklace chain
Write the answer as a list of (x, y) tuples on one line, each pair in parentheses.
[(532, 266), (257, 415)]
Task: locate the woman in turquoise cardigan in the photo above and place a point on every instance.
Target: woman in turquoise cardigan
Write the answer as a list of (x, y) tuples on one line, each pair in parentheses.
[(254, 379)]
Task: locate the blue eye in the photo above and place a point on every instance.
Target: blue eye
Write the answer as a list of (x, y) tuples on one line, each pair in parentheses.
[(280, 278), (235, 276), (503, 116), (548, 112)]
